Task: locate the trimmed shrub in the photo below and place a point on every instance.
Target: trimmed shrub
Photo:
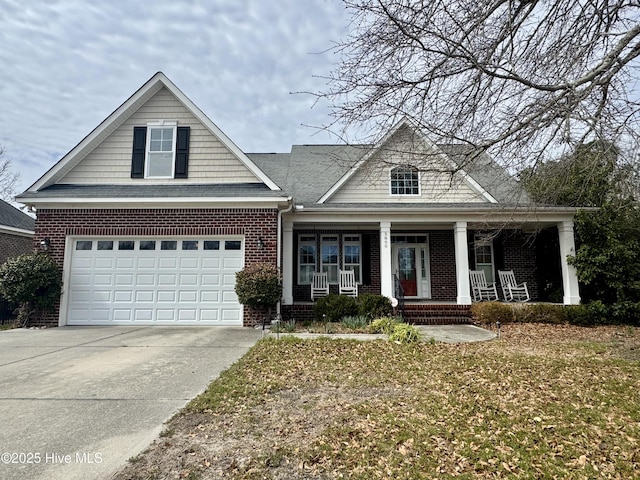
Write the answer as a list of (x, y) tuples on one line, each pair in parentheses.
[(577, 315), (32, 283), (374, 306), (383, 325), (598, 313), (491, 312), (259, 285), (625, 312), (590, 314), (539, 313), (405, 333), (333, 307)]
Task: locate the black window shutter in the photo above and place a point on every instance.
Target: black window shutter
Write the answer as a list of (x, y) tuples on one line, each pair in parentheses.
[(139, 149), (182, 152)]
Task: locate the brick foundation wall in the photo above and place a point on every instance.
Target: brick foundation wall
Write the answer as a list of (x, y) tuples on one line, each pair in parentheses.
[(14, 245), (415, 314), (57, 224)]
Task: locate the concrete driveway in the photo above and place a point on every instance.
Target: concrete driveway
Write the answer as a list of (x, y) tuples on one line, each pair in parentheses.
[(78, 402)]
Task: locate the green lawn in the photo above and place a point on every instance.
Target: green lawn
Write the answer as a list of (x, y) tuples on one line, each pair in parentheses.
[(542, 402)]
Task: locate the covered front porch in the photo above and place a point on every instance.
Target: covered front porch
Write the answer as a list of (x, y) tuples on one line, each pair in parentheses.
[(424, 260)]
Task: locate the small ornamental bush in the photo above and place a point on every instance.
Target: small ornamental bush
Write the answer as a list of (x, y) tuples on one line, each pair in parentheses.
[(374, 306), (357, 323), (32, 284), (405, 333), (333, 308), (383, 325), (259, 285)]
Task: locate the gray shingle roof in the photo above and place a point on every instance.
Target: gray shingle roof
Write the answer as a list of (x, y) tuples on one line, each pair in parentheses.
[(309, 171), (489, 174), (14, 218), (155, 191)]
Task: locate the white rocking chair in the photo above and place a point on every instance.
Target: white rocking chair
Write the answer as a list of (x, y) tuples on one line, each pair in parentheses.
[(320, 286), (512, 290), (480, 289), (348, 284)]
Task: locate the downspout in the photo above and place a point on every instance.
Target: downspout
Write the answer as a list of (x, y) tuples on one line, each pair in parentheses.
[(279, 246)]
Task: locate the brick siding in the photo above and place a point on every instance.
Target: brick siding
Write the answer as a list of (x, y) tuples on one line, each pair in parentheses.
[(57, 224), (443, 266), (520, 256), (14, 245)]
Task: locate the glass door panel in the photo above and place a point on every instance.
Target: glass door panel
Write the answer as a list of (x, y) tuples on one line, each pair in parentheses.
[(407, 270)]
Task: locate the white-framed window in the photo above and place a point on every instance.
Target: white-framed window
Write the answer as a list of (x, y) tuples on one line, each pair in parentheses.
[(404, 180), (329, 256), (483, 249), (352, 255), (161, 148), (307, 253)]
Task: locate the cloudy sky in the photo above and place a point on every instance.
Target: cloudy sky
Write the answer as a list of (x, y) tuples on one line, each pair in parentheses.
[(65, 65)]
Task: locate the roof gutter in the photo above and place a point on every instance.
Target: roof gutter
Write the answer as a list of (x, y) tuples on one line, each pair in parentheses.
[(147, 202), (290, 206)]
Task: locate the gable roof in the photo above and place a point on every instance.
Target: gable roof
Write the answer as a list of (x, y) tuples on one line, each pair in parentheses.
[(312, 173), (402, 124), (14, 219), (124, 111)]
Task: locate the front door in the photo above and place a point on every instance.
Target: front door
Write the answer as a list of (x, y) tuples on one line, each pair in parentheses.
[(406, 257), (411, 265)]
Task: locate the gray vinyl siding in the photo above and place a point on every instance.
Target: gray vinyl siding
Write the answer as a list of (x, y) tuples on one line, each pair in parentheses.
[(209, 160)]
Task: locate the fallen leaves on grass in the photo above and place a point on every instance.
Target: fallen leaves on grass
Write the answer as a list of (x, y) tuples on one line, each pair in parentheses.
[(543, 401)]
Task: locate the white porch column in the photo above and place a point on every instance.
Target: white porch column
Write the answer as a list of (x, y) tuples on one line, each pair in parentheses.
[(386, 275), (287, 263), (569, 275), (462, 263)]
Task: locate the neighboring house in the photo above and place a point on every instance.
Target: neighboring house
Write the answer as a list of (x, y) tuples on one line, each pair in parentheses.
[(152, 214), (16, 232)]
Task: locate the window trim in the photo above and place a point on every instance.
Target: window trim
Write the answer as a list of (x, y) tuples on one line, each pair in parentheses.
[(158, 125), (418, 181), (324, 240), (480, 240), (346, 243), (305, 239)]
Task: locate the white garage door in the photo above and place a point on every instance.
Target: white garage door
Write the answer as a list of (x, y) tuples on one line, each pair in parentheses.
[(180, 281)]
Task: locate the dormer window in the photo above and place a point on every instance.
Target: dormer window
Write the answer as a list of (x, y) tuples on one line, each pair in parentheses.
[(160, 150), (405, 180)]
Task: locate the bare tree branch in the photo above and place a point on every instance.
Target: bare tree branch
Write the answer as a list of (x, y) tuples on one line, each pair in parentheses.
[(8, 178), (525, 80)]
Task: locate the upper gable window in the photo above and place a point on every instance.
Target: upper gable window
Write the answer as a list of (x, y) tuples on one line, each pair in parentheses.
[(161, 146), (160, 150), (404, 181)]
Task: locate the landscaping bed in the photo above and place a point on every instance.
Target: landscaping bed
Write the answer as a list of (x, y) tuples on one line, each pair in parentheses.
[(543, 401)]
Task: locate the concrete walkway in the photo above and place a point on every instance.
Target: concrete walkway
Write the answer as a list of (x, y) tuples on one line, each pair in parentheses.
[(78, 402), (440, 333)]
